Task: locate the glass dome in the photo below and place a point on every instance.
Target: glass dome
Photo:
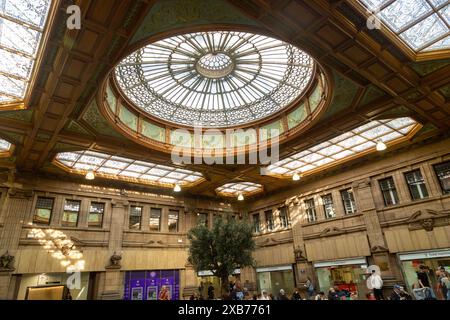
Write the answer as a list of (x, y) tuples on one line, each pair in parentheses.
[(216, 78)]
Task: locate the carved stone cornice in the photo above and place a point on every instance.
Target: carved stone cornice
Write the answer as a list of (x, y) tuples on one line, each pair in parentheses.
[(360, 184), (267, 242), (378, 249), (20, 193), (428, 219), (119, 203)]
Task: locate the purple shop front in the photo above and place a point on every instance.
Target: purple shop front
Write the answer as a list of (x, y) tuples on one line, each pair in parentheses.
[(146, 285)]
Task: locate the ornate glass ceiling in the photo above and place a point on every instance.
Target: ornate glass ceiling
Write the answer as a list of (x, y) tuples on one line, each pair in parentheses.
[(5, 146), (423, 24), (234, 189), (218, 79), (347, 145), (108, 166), (21, 27)]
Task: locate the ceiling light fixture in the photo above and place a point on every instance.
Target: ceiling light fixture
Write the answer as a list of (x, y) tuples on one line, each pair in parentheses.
[(177, 188), (90, 175), (296, 177), (240, 197), (381, 145)]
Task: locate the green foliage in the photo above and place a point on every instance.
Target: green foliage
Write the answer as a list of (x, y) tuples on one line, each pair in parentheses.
[(227, 246)]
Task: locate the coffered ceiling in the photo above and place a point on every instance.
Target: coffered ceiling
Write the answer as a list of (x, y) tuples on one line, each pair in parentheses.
[(373, 76)]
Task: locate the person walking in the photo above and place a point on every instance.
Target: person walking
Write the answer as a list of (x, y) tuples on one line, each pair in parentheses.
[(309, 288), (375, 283)]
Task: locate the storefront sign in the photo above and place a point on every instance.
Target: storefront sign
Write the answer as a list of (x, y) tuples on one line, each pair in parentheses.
[(424, 255), (275, 268), (343, 262), (146, 285)]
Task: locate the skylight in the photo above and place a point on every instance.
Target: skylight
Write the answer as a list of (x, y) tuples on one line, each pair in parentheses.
[(234, 189), (358, 141), (126, 169), (217, 78), (5, 146), (22, 24), (424, 25)]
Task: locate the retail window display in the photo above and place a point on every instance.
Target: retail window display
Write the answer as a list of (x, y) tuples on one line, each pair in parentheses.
[(351, 278), (147, 285), (274, 280), (431, 261), (53, 286)]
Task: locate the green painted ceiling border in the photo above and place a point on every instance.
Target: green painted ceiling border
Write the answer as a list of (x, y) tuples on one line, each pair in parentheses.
[(173, 14), (22, 115), (96, 120), (427, 67), (343, 94)]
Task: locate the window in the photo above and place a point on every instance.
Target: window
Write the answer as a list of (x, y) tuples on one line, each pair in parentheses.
[(284, 217), (155, 219), (310, 210), (71, 212), (389, 192), (416, 185), (328, 206), (256, 223), (443, 173), (173, 220), (203, 218), (96, 211), (348, 201), (43, 210), (269, 220), (135, 218)]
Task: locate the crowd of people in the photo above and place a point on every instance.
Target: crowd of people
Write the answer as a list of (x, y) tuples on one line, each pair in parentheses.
[(421, 290)]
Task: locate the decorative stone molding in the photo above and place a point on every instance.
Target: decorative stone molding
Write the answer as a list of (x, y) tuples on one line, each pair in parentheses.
[(362, 183), (20, 193), (428, 219), (331, 231), (299, 257), (272, 242), (114, 261), (7, 262), (119, 203), (378, 249)]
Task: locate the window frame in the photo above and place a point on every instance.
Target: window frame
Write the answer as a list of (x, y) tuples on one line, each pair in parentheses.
[(443, 190), (392, 191), (351, 199), (134, 215), (410, 184), (286, 222), (36, 208), (68, 223), (270, 226), (258, 221), (177, 220), (102, 215), (328, 196), (152, 218), (310, 210)]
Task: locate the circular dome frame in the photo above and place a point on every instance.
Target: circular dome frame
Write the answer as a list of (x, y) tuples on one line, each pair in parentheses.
[(320, 75)]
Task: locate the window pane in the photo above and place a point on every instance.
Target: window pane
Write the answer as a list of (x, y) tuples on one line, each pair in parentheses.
[(416, 185), (443, 173), (256, 223), (173, 220), (310, 210), (284, 217), (155, 219), (71, 211), (43, 210), (269, 220), (389, 192), (328, 206), (348, 201), (135, 218), (95, 218)]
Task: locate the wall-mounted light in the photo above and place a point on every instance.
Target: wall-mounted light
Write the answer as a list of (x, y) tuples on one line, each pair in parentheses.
[(240, 197), (381, 145), (177, 188), (296, 177)]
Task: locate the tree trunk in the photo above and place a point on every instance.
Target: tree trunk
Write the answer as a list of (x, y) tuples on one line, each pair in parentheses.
[(225, 288)]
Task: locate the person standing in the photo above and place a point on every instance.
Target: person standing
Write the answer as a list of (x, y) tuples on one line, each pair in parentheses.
[(282, 295), (164, 293), (424, 281), (309, 288), (296, 295), (211, 292), (375, 283), (263, 295)]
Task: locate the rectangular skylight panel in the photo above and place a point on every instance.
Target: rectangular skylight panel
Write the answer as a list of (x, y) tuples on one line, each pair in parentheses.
[(365, 127), (137, 168), (323, 161), (294, 164), (445, 12), (343, 154), (298, 155), (18, 37), (84, 166), (307, 168), (191, 178), (91, 160), (168, 180), (30, 11), (164, 167), (14, 64), (176, 175), (11, 86), (438, 3), (352, 141), (438, 45), (130, 174), (64, 162), (330, 150), (424, 32), (402, 12), (376, 132), (4, 145), (406, 130), (149, 177), (116, 164), (95, 154), (364, 146), (373, 4), (106, 170), (342, 137), (392, 136), (277, 170), (400, 122), (157, 172), (320, 146), (68, 156), (311, 157)]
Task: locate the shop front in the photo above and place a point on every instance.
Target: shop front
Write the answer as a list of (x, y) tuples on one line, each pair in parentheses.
[(207, 280), (348, 274), (272, 279), (147, 285), (430, 259), (54, 286)]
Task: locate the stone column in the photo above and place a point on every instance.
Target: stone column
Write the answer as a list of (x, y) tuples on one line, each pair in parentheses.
[(303, 268), (112, 286), (15, 210)]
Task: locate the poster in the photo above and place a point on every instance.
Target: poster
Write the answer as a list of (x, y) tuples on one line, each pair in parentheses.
[(146, 285), (136, 293)]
